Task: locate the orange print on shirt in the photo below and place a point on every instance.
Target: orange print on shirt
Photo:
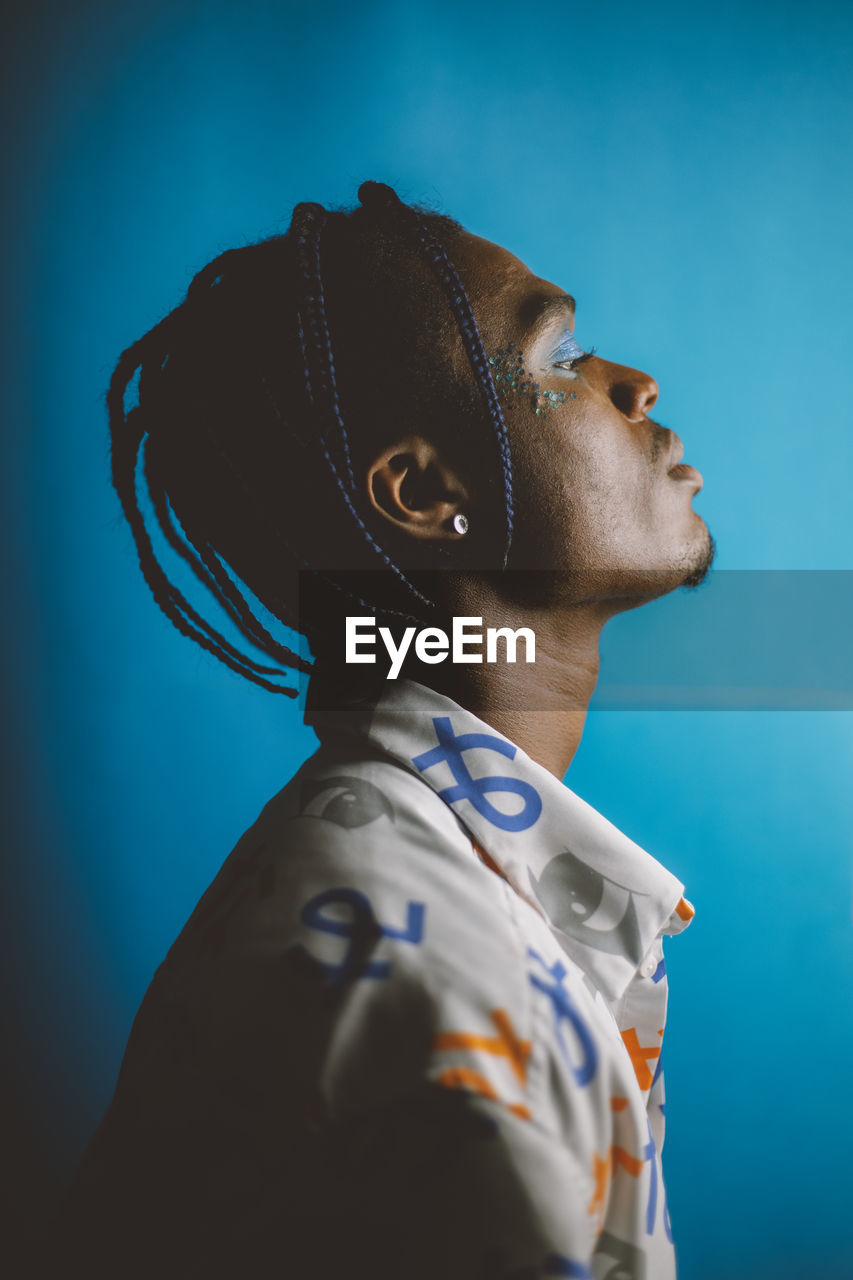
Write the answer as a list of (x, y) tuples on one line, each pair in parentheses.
[(624, 1160), (639, 1057), (505, 1044), (602, 1172), (465, 1078)]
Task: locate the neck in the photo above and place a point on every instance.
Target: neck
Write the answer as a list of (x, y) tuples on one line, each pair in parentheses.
[(541, 706)]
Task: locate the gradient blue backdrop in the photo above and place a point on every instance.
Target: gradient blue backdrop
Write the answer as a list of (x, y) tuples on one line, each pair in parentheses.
[(685, 172)]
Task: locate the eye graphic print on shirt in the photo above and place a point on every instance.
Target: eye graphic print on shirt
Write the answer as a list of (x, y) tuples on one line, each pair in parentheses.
[(551, 1266), (348, 802), (589, 907), (554, 1266), (451, 749), (629, 1262)]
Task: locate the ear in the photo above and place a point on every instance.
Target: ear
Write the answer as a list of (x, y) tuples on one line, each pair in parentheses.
[(411, 484)]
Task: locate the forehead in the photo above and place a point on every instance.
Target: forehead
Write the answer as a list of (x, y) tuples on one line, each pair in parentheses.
[(508, 298)]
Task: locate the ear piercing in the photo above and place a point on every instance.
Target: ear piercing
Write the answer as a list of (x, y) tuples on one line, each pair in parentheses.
[(510, 375), (460, 524)]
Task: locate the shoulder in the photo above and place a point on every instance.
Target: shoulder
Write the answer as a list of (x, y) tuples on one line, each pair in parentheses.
[(354, 937), (358, 866), (354, 839)]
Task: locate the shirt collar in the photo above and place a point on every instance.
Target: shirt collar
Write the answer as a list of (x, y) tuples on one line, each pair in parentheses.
[(605, 898)]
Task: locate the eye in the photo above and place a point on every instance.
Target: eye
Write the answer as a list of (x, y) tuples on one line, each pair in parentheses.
[(348, 802), (570, 353)]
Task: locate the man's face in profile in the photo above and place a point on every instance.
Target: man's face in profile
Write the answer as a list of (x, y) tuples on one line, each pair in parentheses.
[(601, 492)]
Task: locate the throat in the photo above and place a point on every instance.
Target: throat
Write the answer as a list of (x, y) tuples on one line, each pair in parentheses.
[(541, 707)]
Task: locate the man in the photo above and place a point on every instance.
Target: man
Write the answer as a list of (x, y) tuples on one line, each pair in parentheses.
[(414, 1026)]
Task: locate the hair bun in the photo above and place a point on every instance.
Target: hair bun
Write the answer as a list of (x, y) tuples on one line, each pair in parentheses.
[(378, 194)]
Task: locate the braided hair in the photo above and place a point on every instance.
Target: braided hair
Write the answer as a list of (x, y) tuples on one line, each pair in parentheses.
[(256, 397)]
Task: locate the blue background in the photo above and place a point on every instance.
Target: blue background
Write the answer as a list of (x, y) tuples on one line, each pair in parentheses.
[(685, 172)]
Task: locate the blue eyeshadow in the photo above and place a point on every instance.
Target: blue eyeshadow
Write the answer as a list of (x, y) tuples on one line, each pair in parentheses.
[(569, 348)]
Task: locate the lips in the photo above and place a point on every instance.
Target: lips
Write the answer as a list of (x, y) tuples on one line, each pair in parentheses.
[(678, 470), (676, 452), (684, 472)]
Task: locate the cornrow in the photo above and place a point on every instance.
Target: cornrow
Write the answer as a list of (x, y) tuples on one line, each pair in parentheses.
[(313, 417), (307, 227), (378, 193)]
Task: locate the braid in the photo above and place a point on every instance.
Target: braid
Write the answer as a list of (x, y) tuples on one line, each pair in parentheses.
[(127, 441), (207, 567), (383, 196), (336, 587), (307, 227), (214, 429)]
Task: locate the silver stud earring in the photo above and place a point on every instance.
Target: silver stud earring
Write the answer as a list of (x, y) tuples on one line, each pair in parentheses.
[(460, 524)]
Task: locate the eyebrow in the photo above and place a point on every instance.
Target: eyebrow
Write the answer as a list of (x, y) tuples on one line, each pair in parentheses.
[(538, 314)]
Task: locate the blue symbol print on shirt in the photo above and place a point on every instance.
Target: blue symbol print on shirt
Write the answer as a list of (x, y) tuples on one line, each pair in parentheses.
[(565, 1011), (650, 1154), (451, 748), (362, 930)]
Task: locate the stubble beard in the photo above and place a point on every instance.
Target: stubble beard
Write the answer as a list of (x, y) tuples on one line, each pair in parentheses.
[(700, 570)]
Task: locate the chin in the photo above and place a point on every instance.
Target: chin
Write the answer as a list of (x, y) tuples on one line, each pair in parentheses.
[(702, 562), (686, 568)]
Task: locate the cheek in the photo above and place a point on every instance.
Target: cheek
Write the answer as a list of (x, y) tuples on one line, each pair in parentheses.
[(579, 487), (601, 472)]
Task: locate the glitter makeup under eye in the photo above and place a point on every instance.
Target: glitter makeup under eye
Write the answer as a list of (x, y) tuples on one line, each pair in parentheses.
[(511, 377)]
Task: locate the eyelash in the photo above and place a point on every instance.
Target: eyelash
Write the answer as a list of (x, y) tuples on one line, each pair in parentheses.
[(570, 342), (573, 363), (587, 355)]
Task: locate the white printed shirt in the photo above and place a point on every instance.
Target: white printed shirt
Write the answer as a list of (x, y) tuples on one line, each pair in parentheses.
[(412, 1029)]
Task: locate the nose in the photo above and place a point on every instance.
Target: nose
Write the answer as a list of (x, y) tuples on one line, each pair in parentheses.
[(633, 393)]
